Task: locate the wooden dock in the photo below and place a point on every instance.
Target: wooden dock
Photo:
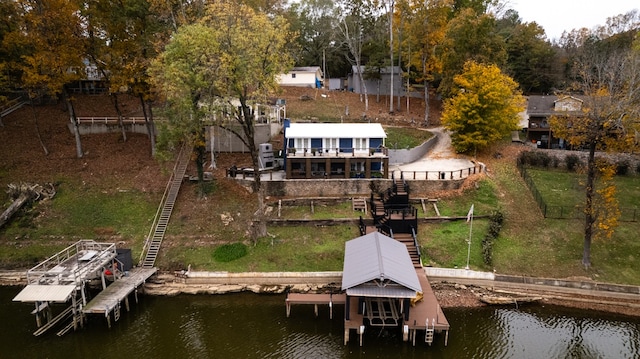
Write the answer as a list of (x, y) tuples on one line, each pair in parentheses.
[(427, 315), (315, 299), (109, 299)]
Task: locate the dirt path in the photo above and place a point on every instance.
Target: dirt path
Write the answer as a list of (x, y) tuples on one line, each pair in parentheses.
[(442, 148)]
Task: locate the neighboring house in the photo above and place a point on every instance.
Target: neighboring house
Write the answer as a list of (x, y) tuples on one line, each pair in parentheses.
[(335, 150), (302, 77), (93, 81), (268, 123), (540, 109), (377, 82)]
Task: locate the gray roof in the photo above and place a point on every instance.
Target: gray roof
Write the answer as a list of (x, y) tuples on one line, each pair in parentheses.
[(376, 258), (545, 105), (45, 293)]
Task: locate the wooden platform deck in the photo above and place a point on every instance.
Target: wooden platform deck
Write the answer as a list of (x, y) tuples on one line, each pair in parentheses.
[(110, 298), (315, 299), (427, 313)]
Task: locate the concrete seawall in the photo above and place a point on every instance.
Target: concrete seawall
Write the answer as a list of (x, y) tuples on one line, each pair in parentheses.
[(200, 282)]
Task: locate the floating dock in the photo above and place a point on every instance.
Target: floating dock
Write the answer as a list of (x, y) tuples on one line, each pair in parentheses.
[(63, 279), (109, 300)]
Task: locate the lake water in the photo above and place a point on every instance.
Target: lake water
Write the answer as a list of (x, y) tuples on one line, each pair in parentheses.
[(248, 325)]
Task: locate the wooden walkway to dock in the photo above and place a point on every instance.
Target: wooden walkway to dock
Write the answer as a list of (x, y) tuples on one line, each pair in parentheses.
[(109, 299)]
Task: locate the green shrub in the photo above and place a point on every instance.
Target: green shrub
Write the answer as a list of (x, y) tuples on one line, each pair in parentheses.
[(572, 162), (622, 167), (535, 159), (230, 252), (495, 225)]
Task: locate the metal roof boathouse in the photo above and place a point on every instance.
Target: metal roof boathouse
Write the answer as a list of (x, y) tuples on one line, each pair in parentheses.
[(383, 289)]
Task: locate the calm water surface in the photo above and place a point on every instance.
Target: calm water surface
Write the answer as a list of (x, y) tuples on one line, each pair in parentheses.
[(255, 326)]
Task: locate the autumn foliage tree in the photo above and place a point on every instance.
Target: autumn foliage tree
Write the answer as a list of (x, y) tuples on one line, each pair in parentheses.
[(51, 36), (228, 60), (485, 108), (608, 76)]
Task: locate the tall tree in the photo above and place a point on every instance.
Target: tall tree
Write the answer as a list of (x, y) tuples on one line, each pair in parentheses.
[(608, 76), (530, 56), (425, 26), (485, 108), (230, 57), (353, 27), (317, 22), (469, 36), (121, 44), (52, 32)]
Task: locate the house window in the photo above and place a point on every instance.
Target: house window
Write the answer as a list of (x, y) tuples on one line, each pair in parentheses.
[(302, 144), (293, 76), (331, 144), (360, 143)]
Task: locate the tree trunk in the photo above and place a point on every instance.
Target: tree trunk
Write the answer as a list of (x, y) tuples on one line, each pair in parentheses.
[(14, 207), (201, 152), (391, 99), (148, 120), (426, 91), (589, 210), (74, 123), (114, 96), (258, 225), (35, 121)]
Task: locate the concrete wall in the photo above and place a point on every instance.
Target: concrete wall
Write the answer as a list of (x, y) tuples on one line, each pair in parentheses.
[(347, 187), (100, 128), (225, 141), (412, 154)]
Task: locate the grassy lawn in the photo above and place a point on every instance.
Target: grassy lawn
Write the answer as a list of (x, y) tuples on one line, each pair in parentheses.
[(318, 211), (291, 248), (535, 246), (405, 137), (75, 213), (560, 188)]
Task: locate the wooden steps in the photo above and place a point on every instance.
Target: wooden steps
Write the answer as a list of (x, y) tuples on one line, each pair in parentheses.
[(359, 204), (407, 240)]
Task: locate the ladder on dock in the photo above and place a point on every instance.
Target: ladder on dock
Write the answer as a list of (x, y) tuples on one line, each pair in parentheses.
[(153, 242)]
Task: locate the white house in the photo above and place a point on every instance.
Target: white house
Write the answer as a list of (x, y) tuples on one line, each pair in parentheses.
[(335, 150), (302, 77)]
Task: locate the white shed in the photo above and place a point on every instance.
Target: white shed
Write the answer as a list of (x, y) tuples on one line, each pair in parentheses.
[(302, 77)]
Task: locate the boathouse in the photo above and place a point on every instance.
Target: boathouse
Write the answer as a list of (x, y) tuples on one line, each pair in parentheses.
[(335, 150)]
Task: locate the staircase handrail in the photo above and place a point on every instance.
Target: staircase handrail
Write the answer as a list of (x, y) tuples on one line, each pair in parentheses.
[(161, 206), (415, 242)]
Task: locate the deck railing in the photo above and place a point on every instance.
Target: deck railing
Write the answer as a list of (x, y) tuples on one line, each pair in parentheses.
[(440, 175)]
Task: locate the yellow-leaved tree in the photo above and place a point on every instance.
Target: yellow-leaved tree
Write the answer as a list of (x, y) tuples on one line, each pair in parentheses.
[(607, 75), (485, 108)]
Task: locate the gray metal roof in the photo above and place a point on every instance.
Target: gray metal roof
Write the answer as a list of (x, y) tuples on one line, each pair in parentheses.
[(545, 105), (45, 293), (376, 258)]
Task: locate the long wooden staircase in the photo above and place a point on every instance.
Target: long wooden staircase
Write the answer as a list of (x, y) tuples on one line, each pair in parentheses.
[(161, 220)]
